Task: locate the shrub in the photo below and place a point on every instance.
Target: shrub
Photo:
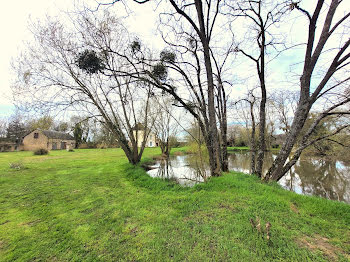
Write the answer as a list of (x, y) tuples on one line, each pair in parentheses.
[(41, 151), (71, 150), (17, 165), (193, 148)]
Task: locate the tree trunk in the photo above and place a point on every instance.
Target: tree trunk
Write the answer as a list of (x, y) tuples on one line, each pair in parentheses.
[(212, 136), (252, 140), (262, 112), (262, 143), (222, 115), (224, 163), (277, 169)]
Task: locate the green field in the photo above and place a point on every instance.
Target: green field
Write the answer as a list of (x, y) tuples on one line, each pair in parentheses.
[(91, 205)]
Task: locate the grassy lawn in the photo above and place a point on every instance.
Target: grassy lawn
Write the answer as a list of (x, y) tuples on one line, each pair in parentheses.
[(91, 205)]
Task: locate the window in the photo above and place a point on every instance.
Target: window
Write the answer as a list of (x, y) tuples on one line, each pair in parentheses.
[(36, 135), (150, 143)]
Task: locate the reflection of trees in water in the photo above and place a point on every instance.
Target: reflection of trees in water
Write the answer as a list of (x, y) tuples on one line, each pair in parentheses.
[(186, 170), (321, 177), (241, 161), (200, 168), (312, 176), (165, 170)]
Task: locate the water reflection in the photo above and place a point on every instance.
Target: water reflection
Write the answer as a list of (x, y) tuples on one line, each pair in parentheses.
[(185, 170), (310, 175)]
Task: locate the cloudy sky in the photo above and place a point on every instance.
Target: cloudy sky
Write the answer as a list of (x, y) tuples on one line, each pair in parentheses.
[(16, 16), (14, 31), (14, 19)]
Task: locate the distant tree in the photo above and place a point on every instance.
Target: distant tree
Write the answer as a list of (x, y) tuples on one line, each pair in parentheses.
[(16, 129), (105, 137), (43, 123), (165, 125), (331, 143), (284, 103), (61, 126), (246, 106), (81, 129), (3, 127), (78, 135), (194, 134)]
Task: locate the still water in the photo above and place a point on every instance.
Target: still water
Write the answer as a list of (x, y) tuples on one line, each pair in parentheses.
[(310, 175)]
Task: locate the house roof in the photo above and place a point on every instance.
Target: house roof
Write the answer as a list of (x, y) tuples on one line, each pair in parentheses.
[(57, 135)]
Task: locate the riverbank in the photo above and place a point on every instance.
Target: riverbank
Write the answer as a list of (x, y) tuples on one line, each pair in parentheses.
[(91, 205)]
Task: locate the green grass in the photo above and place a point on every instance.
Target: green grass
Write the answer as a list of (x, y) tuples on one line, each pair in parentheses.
[(238, 148), (91, 205), (246, 148)]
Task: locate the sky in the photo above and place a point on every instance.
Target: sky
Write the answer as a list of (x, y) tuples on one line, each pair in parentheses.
[(15, 18), (16, 15)]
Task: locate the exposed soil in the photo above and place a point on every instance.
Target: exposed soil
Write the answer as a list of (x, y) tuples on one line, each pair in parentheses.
[(294, 208), (322, 244)]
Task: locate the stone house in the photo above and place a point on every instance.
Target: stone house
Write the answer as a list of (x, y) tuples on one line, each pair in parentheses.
[(151, 141), (10, 144), (47, 139), (6, 146)]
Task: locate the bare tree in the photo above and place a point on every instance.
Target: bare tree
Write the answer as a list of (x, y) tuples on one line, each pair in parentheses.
[(190, 30), (3, 127), (165, 125), (248, 114), (262, 15), (328, 83), (284, 103), (79, 66)]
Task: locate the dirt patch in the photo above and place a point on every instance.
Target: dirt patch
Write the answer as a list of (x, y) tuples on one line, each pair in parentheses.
[(321, 243), (30, 223), (226, 206), (294, 208), (5, 222), (134, 231)]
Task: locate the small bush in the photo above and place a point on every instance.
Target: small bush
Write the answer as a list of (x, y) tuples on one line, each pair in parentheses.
[(193, 148), (71, 150), (41, 151), (17, 165)]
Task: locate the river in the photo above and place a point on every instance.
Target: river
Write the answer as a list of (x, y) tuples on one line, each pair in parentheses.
[(310, 176)]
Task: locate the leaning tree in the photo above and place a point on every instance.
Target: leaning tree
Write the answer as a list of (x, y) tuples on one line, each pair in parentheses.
[(323, 81), (80, 65)]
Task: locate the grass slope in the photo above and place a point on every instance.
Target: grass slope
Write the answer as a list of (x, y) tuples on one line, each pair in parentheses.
[(91, 205)]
